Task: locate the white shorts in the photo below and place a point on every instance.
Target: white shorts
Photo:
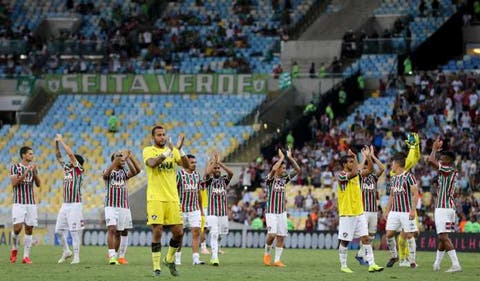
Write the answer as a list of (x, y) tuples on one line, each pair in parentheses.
[(192, 219), (25, 213), (444, 220), (120, 217), (70, 217), (400, 221), (277, 224), (217, 225), (352, 227), (372, 221)]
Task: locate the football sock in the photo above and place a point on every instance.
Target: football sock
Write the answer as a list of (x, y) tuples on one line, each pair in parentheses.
[(122, 250)]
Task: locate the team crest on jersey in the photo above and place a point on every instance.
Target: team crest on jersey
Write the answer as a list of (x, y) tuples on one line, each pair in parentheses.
[(345, 235), (154, 217)]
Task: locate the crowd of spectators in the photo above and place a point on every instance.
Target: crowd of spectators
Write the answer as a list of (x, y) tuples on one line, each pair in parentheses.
[(144, 37)]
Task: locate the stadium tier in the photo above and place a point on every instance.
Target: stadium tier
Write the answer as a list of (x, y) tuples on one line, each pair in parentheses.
[(467, 63), (424, 24), (209, 122), (373, 66)]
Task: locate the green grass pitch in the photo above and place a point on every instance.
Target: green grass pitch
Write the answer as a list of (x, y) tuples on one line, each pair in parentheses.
[(235, 264)]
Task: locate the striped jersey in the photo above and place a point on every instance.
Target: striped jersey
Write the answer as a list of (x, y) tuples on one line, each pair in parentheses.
[(369, 192), (188, 185), (276, 193), (400, 190), (446, 187), (72, 183), (116, 188), (23, 191), (217, 195), (349, 195)]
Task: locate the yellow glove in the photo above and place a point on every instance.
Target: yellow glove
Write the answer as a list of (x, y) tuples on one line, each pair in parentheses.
[(413, 142)]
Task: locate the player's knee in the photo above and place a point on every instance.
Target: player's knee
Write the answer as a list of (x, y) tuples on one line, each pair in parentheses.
[(28, 230)]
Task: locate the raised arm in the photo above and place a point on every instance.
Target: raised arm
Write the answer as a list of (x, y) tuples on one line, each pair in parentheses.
[(58, 154), (184, 159), (354, 171), (68, 150), (380, 165), (108, 171), (292, 160), (226, 169), (366, 167), (432, 159), (133, 169), (277, 164)]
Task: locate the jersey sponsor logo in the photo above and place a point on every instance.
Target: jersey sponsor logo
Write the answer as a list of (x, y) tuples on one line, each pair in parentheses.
[(166, 166)]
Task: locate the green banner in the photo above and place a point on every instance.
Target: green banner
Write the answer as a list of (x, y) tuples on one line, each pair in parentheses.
[(25, 85), (158, 84)]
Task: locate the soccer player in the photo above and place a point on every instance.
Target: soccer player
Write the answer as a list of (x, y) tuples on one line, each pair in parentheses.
[(118, 217), (369, 195), (24, 176), (188, 185), (217, 219), (352, 221), (70, 217), (413, 156), (203, 227), (276, 212), (163, 204), (400, 211), (445, 205)]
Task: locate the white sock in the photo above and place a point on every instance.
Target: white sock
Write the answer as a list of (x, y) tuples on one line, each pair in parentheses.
[(439, 258), (214, 245), (453, 256), (342, 253), (203, 245), (361, 250), (122, 250), (178, 256), (28, 246), (196, 257), (14, 241), (412, 247), (267, 249), (75, 243), (368, 254), (392, 246), (111, 253), (278, 253)]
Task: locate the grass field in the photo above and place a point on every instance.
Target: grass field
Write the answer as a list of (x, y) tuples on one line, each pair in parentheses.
[(235, 264)]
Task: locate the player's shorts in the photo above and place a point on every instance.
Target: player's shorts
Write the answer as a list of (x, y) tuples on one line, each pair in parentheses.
[(121, 218), (192, 219), (444, 220), (70, 217), (352, 227), (372, 221), (277, 224), (164, 213), (217, 224), (400, 221), (25, 213)]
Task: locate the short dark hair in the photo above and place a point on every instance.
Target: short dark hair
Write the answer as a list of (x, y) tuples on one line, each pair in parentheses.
[(24, 150), (113, 156), (344, 159), (80, 159), (449, 154), (190, 156), (399, 158), (155, 128)]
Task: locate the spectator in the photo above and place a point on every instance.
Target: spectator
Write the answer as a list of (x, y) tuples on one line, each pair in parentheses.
[(310, 108), (322, 223), (299, 201), (462, 223), (312, 71), (309, 200), (290, 225), (113, 123), (290, 140), (309, 224), (295, 70), (322, 71), (257, 223), (472, 225)]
